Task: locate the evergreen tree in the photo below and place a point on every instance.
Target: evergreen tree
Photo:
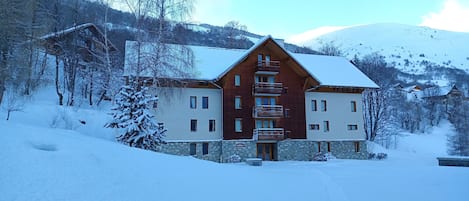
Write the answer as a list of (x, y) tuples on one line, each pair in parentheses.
[(132, 115)]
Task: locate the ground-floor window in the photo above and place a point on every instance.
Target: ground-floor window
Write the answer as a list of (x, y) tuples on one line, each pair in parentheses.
[(193, 149), (328, 146), (357, 146), (319, 146), (205, 148)]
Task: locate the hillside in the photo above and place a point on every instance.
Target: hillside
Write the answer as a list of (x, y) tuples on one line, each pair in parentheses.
[(43, 159), (409, 48)]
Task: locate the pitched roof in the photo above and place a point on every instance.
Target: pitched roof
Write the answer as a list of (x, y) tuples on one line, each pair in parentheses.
[(213, 63), (64, 32)]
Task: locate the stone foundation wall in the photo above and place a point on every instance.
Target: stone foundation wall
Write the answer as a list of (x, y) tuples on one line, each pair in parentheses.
[(242, 148), (183, 149), (295, 150), (345, 149)]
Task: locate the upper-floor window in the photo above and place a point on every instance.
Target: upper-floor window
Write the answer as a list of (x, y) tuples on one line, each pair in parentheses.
[(193, 102), (326, 126), (238, 102), (352, 127), (323, 105), (314, 127), (238, 125), (353, 106), (193, 125), (314, 105), (211, 125), (259, 59), (205, 102), (237, 80)]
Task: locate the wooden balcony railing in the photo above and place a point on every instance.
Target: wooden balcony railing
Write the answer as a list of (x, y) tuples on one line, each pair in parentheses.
[(267, 111), (268, 66), (268, 134), (268, 88)]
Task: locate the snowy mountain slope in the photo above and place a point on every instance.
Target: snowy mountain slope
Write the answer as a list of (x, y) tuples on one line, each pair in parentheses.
[(405, 46)]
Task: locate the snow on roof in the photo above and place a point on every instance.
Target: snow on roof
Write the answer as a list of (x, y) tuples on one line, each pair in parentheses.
[(437, 91), (209, 62), (334, 71), (213, 63)]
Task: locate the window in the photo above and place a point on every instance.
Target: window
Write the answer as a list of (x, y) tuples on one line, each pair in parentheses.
[(267, 60), (326, 126), (314, 127), (314, 105), (238, 102), (352, 127), (193, 103), (193, 125), (211, 125), (353, 105), (193, 149), (238, 125), (205, 102), (205, 148), (287, 113), (323, 105), (319, 146), (357, 146), (155, 104), (328, 146), (237, 80), (259, 60)]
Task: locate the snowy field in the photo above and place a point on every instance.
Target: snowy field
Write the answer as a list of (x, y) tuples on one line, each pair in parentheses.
[(49, 155)]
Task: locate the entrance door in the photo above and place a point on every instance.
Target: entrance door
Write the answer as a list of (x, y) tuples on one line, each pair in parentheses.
[(266, 151)]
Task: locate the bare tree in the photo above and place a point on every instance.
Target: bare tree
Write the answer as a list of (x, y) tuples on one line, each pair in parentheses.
[(153, 57), (330, 49), (459, 142), (373, 110), (234, 30)]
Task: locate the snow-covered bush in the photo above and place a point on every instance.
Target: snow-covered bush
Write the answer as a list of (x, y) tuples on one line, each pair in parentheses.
[(319, 157), (133, 116), (234, 159)]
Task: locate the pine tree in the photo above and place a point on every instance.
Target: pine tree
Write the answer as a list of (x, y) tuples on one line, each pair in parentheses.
[(132, 115)]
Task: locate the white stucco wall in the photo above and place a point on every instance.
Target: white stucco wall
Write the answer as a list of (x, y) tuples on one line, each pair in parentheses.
[(176, 114), (339, 115)]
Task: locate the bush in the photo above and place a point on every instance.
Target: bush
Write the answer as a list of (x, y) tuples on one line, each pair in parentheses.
[(319, 157), (377, 156)]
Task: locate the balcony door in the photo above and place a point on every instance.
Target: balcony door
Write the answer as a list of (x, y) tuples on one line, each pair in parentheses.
[(265, 123), (265, 101), (269, 79), (266, 151)]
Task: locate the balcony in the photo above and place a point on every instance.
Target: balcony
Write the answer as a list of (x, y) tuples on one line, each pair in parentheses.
[(268, 134), (267, 111), (267, 88), (268, 67)]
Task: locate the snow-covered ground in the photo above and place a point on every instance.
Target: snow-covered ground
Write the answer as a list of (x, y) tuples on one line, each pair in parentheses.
[(42, 160)]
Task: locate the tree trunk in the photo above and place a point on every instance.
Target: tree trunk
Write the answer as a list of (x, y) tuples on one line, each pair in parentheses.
[(57, 88)]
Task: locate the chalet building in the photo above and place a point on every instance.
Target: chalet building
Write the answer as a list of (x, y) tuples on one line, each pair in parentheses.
[(264, 102), (86, 40), (447, 96)]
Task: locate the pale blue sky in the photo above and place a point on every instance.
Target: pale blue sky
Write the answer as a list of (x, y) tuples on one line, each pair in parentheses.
[(286, 18)]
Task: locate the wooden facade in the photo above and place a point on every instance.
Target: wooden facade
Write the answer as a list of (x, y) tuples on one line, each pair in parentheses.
[(287, 89)]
